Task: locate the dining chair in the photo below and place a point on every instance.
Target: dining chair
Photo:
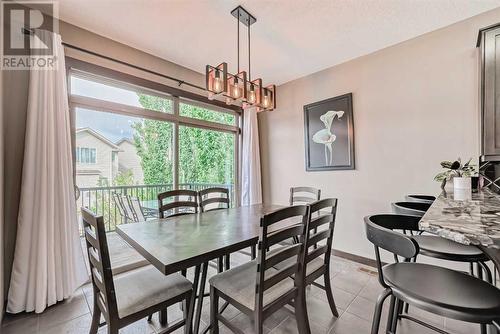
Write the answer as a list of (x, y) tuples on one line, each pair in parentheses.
[(133, 296), (318, 256), (303, 195), (179, 202), (434, 289), (420, 198), (256, 288), (215, 198)]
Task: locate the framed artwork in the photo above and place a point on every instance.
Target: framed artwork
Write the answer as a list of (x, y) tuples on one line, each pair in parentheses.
[(329, 134)]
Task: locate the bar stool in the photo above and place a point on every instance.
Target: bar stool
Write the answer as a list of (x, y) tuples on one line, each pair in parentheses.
[(438, 247), (438, 290), (420, 198)]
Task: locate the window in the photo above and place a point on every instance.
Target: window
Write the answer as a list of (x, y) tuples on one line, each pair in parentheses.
[(147, 142), (85, 155)]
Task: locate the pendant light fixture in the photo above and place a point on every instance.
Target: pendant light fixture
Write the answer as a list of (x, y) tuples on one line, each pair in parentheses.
[(240, 86)]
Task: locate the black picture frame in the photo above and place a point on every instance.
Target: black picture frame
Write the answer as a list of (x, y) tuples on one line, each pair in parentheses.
[(343, 129)]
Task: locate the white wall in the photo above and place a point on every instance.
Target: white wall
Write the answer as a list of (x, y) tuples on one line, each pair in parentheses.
[(415, 104)]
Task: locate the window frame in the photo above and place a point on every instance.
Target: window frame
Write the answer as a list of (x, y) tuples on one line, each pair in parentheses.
[(91, 72)]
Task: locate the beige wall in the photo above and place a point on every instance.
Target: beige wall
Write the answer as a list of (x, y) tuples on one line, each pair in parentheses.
[(14, 111), (415, 104)]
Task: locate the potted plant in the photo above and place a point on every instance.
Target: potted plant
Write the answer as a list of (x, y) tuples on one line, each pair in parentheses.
[(460, 173)]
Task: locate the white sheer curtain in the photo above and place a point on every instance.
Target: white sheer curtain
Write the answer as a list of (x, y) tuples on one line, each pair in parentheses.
[(251, 187), (48, 260)]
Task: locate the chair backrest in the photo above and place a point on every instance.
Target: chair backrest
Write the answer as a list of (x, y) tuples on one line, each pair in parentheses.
[(213, 199), (100, 264), (379, 231), (274, 228), (420, 198), (304, 195), (319, 228), (177, 202), (117, 198), (129, 212), (135, 204), (411, 208)]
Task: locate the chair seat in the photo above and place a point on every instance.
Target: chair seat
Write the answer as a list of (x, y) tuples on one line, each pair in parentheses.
[(438, 247), (444, 291), (238, 283), (147, 287)]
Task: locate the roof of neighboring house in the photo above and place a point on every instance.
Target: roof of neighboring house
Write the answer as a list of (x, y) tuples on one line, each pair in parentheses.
[(100, 137), (124, 139)]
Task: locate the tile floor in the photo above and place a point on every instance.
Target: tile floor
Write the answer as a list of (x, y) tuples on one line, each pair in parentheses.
[(355, 291)]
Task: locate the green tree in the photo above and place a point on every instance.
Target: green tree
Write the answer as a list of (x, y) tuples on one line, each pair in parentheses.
[(124, 178), (205, 156)]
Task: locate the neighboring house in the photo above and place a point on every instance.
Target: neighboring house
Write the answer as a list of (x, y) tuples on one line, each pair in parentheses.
[(128, 159), (96, 158)]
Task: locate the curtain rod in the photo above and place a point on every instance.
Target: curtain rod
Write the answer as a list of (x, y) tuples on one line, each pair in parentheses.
[(179, 81)]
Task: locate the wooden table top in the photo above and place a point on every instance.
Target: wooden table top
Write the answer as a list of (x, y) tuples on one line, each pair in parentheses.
[(177, 243)]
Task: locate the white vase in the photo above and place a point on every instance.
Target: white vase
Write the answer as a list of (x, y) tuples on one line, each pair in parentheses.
[(461, 184)]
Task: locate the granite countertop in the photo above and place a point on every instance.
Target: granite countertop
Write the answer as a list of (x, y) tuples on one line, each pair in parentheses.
[(465, 218)]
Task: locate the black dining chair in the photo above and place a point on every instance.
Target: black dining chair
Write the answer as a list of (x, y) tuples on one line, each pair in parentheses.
[(441, 248), (215, 198), (437, 290), (177, 202), (303, 196), (256, 288), (133, 296), (319, 239)]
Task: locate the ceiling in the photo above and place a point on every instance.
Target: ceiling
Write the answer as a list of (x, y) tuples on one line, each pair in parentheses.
[(291, 39)]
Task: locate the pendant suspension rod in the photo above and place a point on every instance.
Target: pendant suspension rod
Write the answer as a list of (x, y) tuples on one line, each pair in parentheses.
[(238, 43), (249, 72)]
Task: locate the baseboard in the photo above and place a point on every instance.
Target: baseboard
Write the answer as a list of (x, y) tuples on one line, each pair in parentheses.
[(356, 258)]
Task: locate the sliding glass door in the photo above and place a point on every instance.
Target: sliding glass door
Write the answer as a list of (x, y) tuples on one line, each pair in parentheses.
[(137, 142)]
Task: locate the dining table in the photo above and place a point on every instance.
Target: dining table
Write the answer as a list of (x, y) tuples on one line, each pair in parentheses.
[(470, 218), (178, 243)]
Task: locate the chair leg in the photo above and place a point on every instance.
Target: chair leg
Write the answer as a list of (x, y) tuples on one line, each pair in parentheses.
[(329, 293), (253, 252), (112, 329), (163, 317), (227, 260), (150, 317), (259, 323), (220, 265), (301, 312), (391, 314), (484, 330), (188, 326), (487, 272), (395, 315), (378, 310), (96, 317), (214, 310)]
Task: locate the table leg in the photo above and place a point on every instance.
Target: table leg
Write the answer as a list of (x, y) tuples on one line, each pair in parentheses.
[(201, 293), (192, 303), (163, 317)]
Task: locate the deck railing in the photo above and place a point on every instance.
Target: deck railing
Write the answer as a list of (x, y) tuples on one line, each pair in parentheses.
[(100, 199)]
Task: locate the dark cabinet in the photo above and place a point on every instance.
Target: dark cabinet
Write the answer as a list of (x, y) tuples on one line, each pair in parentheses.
[(489, 44)]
